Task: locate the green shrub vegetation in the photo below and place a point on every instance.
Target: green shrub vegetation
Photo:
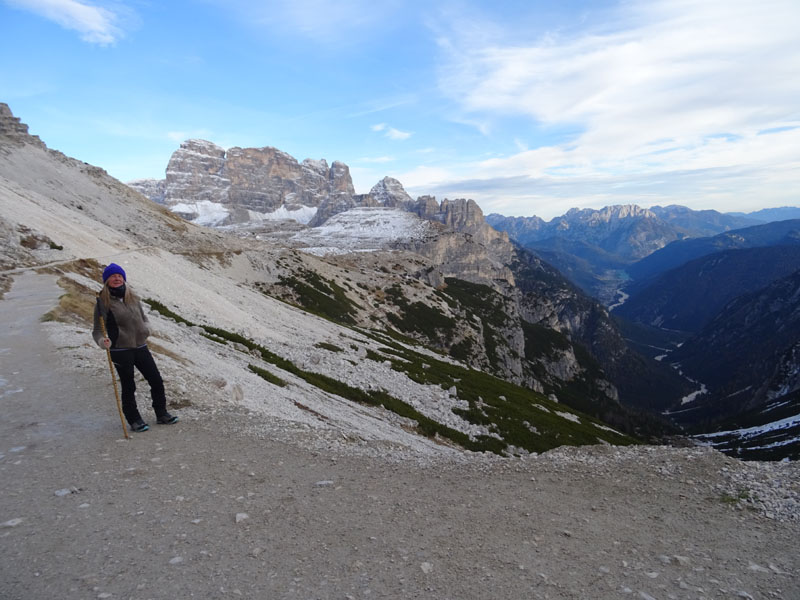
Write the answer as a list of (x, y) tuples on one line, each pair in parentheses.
[(486, 304), (164, 311), (420, 318), (328, 346), (541, 341), (267, 376), (322, 297), (463, 350)]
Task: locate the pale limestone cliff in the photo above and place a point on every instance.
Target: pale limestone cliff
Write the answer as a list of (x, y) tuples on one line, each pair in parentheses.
[(241, 180)]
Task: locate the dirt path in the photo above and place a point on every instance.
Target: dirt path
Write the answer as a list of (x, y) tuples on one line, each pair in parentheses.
[(204, 509)]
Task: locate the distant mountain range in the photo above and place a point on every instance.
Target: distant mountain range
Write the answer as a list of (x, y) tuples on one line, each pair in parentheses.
[(594, 247), (767, 215)]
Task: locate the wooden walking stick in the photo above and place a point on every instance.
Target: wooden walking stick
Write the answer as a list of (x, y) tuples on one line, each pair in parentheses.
[(111, 368)]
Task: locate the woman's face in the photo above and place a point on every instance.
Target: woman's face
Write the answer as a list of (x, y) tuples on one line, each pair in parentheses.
[(115, 280)]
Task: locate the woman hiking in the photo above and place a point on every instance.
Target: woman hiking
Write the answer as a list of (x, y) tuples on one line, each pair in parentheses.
[(127, 329)]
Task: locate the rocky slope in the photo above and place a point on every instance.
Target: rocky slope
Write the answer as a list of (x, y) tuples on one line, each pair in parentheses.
[(746, 355), (688, 297)]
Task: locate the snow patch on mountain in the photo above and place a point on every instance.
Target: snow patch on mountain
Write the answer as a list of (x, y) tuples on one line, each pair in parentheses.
[(302, 214), (209, 214), (214, 214), (694, 395), (363, 229), (757, 431)]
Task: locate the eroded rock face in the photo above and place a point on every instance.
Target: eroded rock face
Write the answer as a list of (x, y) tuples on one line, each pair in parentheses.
[(151, 188), (194, 174), (390, 193), (13, 130), (247, 179)]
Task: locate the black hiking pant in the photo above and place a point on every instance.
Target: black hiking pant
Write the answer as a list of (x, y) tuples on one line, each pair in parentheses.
[(125, 360)]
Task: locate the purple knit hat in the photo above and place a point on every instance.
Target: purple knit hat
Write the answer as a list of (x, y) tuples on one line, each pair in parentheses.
[(111, 269)]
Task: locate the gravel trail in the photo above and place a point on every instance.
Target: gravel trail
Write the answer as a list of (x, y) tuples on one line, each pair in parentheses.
[(215, 507)]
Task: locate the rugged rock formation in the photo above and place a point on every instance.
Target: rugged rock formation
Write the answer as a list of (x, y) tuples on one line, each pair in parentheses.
[(390, 192), (13, 130), (194, 174), (239, 180), (155, 189), (473, 251)]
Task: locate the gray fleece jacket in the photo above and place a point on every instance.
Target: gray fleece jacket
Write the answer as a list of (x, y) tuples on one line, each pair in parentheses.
[(126, 324)]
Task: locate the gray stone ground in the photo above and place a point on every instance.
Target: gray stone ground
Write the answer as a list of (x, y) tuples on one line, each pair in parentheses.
[(215, 507)]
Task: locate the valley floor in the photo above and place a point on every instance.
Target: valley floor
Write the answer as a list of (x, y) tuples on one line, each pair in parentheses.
[(217, 506)]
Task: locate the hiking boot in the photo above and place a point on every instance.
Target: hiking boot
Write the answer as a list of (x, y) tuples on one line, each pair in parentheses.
[(166, 419), (139, 426)]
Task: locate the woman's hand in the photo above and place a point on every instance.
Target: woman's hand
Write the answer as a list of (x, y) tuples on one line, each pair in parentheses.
[(106, 343)]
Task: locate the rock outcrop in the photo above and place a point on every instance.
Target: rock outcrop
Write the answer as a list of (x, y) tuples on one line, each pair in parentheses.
[(195, 173), (14, 130), (390, 193), (240, 180), (155, 189)]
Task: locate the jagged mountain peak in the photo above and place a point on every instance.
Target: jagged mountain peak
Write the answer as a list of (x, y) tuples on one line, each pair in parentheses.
[(212, 186), (203, 146), (390, 192), (604, 215)]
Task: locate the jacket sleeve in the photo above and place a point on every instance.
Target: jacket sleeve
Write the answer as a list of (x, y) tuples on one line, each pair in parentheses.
[(97, 331), (145, 321)]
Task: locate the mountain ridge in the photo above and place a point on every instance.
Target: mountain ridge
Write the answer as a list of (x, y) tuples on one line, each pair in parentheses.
[(687, 297)]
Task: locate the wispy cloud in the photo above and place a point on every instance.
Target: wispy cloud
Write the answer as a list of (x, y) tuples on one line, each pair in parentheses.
[(391, 132), (95, 24)]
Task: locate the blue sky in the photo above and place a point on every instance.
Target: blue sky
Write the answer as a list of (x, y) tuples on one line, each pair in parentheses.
[(528, 107)]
